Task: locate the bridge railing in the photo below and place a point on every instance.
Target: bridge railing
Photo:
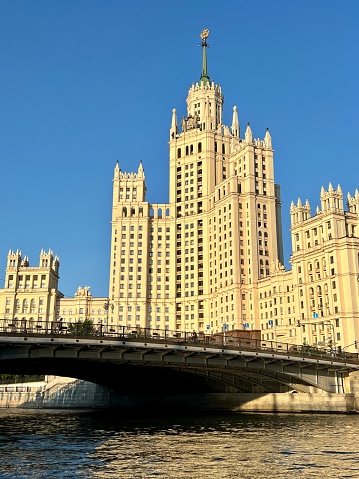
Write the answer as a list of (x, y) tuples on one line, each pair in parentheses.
[(87, 329)]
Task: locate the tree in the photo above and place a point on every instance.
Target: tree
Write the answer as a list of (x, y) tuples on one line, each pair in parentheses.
[(82, 328)]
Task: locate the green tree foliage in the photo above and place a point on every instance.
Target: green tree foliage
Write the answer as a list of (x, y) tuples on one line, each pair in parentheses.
[(82, 328)]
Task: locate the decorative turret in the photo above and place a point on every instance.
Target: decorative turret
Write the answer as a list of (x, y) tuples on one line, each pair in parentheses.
[(48, 260), (14, 259), (300, 212), (174, 125), (129, 187), (56, 264), (140, 171), (248, 137), (268, 140), (331, 200), (353, 202), (205, 99), (235, 123), (117, 170)]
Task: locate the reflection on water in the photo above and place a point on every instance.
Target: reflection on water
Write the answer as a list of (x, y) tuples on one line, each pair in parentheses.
[(67, 444)]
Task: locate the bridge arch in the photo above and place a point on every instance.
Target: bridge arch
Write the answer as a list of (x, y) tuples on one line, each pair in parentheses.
[(161, 366)]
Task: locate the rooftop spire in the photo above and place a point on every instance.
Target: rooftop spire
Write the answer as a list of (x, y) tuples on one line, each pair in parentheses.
[(204, 76)]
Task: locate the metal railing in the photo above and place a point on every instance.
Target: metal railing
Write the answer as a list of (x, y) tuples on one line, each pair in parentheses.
[(12, 379), (88, 330)]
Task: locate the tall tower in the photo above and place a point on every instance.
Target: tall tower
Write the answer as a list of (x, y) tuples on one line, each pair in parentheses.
[(227, 209), (194, 263)]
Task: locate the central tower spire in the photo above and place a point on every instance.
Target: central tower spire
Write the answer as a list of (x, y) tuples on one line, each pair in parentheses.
[(204, 77)]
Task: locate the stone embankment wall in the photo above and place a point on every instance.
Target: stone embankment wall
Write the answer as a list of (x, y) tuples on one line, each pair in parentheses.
[(251, 402), (67, 393), (54, 393)]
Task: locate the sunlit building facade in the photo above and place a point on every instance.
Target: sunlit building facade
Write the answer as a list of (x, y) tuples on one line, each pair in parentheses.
[(31, 293), (31, 298)]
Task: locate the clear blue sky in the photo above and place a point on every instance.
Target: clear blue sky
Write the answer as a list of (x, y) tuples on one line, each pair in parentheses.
[(87, 82)]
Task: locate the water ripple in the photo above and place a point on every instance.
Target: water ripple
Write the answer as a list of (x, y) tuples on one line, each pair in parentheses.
[(106, 445)]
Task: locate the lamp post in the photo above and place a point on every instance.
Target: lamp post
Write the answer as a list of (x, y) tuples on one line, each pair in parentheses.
[(325, 321), (355, 344), (106, 307)]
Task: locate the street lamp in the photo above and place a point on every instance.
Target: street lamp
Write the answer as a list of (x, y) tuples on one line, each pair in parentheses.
[(325, 321), (355, 344), (106, 307)]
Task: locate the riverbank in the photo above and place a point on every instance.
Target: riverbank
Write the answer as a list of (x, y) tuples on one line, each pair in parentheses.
[(68, 393)]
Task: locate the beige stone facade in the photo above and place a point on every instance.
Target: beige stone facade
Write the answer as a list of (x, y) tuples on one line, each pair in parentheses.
[(30, 295), (212, 257), (83, 306)]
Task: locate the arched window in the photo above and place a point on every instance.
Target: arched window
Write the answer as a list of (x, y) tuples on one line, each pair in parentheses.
[(199, 147), (140, 211), (167, 212), (151, 213), (159, 213), (223, 149), (187, 150), (25, 305), (179, 153), (32, 306), (124, 211)]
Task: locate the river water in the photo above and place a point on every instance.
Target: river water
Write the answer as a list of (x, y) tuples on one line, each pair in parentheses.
[(103, 445)]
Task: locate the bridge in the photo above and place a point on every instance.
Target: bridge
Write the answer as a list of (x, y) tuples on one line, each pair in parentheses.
[(170, 362)]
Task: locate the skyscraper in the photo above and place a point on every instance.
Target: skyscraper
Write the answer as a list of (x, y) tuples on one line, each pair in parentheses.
[(193, 263)]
